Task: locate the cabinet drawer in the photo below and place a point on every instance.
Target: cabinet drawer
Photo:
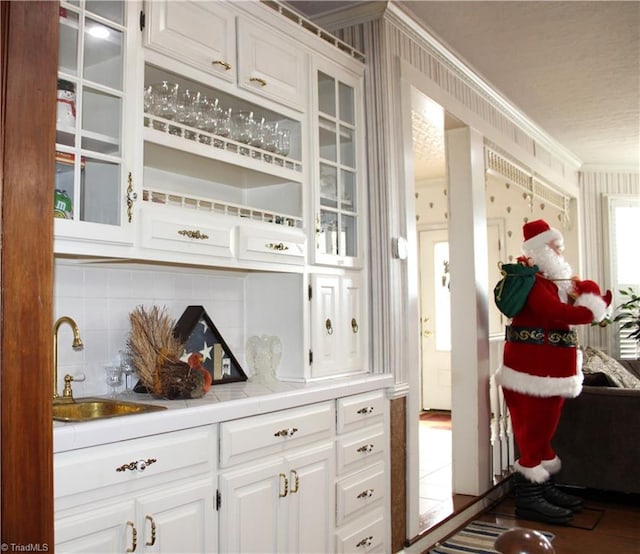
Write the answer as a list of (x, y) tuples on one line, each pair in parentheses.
[(367, 534), (252, 437), (256, 243), (170, 455), (165, 231), (358, 491), (359, 411), (358, 449)]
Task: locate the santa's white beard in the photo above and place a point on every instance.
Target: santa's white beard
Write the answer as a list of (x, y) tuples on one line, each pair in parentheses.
[(553, 266)]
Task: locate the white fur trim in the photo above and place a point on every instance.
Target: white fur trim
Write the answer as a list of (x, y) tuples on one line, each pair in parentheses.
[(541, 239), (593, 302), (552, 466), (537, 474), (533, 385)]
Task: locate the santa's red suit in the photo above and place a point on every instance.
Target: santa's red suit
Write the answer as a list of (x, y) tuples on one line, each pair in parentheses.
[(541, 362)]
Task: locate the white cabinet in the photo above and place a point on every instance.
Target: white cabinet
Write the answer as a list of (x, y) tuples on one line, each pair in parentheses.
[(169, 519), (338, 325), (362, 482), (201, 34), (206, 35), (339, 167), (270, 65), (150, 494), (276, 490), (94, 154), (279, 504)]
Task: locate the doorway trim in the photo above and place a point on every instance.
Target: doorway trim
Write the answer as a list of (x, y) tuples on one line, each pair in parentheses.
[(470, 405)]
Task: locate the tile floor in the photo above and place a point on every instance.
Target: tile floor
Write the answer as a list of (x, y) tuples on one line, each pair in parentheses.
[(436, 500)]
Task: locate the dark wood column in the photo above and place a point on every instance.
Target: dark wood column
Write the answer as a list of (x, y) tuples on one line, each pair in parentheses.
[(29, 54)]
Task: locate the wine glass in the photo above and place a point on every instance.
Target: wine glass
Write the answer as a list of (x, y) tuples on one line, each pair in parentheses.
[(128, 368), (113, 377)]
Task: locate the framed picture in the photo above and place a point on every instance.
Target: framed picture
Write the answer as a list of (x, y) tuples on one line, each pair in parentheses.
[(199, 334)]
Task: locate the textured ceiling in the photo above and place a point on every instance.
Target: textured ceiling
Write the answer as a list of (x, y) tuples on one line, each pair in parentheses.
[(572, 67)]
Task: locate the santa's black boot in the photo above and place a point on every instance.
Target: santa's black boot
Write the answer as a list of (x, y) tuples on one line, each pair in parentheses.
[(531, 504), (556, 496)]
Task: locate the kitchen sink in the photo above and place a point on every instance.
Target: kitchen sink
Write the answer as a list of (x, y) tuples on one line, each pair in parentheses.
[(88, 409)]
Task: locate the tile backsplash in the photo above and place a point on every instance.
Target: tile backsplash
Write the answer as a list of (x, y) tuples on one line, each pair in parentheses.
[(99, 297)]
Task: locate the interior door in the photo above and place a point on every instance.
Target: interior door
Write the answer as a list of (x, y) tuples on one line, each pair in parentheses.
[(435, 317)]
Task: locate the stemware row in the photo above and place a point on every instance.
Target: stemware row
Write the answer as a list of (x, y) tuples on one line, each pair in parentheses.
[(195, 110)]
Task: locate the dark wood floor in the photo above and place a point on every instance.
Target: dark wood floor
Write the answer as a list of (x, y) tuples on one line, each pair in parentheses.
[(609, 524)]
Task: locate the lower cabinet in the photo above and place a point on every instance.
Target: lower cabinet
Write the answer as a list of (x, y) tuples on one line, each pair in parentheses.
[(308, 479), (151, 494), (281, 504), (167, 519)]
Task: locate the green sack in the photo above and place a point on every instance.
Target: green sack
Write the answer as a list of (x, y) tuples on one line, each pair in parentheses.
[(511, 292)]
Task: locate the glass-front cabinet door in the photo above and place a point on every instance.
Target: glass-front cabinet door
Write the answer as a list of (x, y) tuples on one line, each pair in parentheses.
[(92, 168), (338, 213)]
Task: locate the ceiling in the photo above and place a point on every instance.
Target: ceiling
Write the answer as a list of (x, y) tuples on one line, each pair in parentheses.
[(573, 67)]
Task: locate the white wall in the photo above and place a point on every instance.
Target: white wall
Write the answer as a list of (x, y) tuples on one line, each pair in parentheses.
[(99, 297)]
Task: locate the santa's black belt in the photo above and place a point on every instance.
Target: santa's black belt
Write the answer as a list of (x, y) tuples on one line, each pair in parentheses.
[(538, 335)]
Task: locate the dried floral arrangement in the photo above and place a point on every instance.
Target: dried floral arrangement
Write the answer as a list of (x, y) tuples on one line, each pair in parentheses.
[(156, 355)]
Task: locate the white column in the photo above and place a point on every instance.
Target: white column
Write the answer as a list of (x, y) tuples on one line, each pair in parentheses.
[(469, 314)]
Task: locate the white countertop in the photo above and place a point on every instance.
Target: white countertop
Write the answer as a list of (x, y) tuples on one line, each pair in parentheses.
[(221, 403)]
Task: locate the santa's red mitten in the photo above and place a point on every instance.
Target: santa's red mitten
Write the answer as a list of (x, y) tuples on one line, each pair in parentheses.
[(588, 295)]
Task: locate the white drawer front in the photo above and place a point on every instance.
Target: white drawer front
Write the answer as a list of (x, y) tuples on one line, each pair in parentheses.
[(188, 452), (252, 437), (359, 411), (358, 449), (269, 246), (365, 535), (188, 235), (359, 491)]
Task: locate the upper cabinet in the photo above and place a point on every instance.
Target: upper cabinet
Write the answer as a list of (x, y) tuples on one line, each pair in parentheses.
[(207, 35), (339, 166), (93, 153), (215, 133), (270, 65), (201, 34)]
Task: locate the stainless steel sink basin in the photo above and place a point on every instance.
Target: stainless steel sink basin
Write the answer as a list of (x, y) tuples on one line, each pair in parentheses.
[(88, 409)]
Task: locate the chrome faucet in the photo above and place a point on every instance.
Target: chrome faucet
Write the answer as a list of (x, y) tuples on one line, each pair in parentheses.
[(77, 345)]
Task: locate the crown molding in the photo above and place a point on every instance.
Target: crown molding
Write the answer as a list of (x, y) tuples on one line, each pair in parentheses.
[(611, 168)]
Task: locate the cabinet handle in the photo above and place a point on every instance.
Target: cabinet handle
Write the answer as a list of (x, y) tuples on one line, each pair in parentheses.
[(134, 536), (366, 448), (354, 325), (366, 410), (153, 531), (193, 234), (295, 480), (131, 197), (138, 465), (277, 246), (366, 494), (286, 485), (225, 65), (365, 542), (328, 326), (258, 80), (286, 432)]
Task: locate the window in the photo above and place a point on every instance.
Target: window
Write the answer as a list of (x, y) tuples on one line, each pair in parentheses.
[(623, 214)]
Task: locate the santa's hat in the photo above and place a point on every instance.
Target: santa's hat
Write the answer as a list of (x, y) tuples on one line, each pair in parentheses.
[(538, 233)]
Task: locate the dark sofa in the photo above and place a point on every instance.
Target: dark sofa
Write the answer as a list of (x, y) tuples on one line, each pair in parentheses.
[(598, 438)]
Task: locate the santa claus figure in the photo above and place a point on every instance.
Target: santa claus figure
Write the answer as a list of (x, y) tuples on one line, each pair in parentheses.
[(541, 367)]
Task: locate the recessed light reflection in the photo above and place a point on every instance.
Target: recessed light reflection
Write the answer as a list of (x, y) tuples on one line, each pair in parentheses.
[(98, 31)]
